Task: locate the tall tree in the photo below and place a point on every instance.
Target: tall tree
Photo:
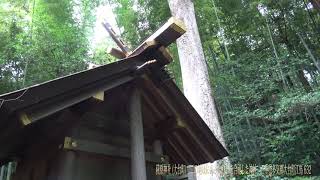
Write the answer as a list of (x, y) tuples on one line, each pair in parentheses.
[(195, 77)]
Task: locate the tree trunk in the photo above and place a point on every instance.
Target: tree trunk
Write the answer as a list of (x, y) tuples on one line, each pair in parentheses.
[(220, 29), (305, 84), (314, 59), (238, 149), (196, 84), (316, 4), (256, 147), (276, 55)]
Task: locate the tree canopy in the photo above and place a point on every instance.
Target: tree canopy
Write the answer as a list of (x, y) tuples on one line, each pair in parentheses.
[(262, 55)]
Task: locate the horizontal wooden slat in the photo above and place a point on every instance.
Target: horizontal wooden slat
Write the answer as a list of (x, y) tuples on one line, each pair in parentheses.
[(107, 149)]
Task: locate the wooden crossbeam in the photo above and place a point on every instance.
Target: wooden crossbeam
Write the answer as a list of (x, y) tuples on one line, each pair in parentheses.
[(107, 149), (164, 36), (169, 32), (163, 56), (158, 41), (145, 46), (182, 125), (99, 96), (116, 53), (30, 115), (25, 120), (117, 40)]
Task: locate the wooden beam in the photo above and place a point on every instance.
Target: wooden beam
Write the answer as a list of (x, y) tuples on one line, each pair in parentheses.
[(118, 41), (66, 166), (157, 149), (144, 47), (178, 152), (180, 123), (9, 171), (169, 32), (198, 142), (31, 115), (25, 120), (156, 113), (154, 104), (107, 149), (138, 164), (164, 36), (163, 55), (99, 96), (185, 147), (116, 53)]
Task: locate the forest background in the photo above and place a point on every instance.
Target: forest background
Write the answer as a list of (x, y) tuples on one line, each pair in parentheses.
[(262, 55)]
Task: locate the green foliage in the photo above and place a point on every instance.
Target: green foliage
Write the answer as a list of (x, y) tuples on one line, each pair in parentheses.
[(101, 56), (42, 40), (265, 83), (267, 91), (265, 120)]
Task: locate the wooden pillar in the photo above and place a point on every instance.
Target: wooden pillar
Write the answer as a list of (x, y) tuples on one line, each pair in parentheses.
[(138, 163), (67, 164), (157, 149), (9, 171), (2, 173)]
